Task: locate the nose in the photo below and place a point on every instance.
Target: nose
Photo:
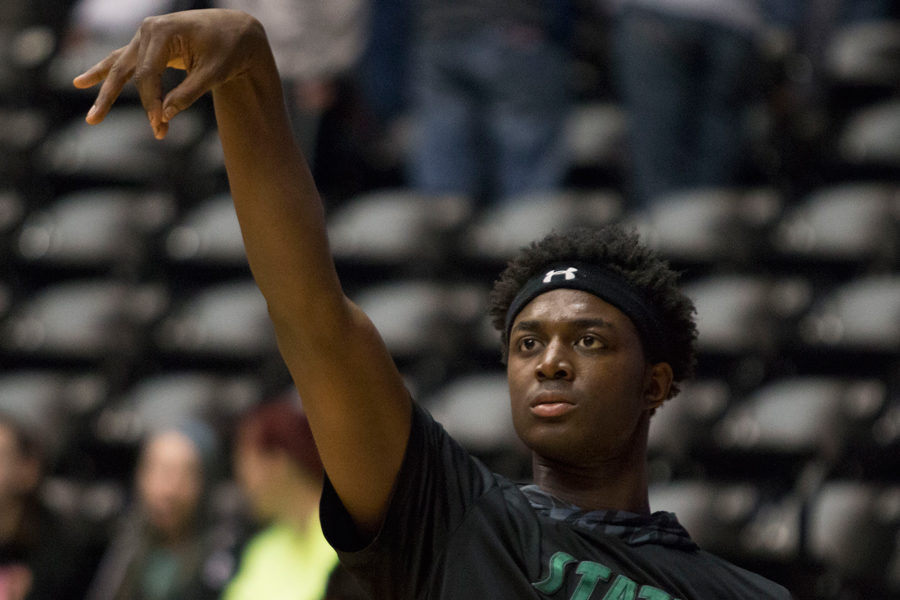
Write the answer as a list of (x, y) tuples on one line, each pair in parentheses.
[(554, 363)]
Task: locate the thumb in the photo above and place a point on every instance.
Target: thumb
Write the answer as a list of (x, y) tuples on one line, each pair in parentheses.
[(183, 95)]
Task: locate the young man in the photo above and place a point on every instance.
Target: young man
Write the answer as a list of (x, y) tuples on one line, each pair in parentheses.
[(593, 345)]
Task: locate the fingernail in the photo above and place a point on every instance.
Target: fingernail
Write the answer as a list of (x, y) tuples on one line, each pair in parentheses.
[(92, 111), (169, 113)]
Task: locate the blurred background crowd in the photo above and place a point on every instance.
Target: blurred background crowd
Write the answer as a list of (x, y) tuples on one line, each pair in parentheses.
[(151, 445)]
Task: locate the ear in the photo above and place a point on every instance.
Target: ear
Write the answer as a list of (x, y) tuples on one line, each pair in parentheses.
[(657, 384)]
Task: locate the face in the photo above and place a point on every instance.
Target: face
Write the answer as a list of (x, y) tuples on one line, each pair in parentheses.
[(257, 473), (170, 483), (580, 387)]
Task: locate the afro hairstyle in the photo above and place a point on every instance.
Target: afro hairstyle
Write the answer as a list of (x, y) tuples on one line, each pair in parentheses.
[(622, 252)]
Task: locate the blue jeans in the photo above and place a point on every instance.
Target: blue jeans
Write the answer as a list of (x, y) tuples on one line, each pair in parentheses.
[(489, 108), (686, 86)]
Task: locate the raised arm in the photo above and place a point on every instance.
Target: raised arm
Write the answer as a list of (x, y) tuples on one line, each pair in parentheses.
[(357, 405)]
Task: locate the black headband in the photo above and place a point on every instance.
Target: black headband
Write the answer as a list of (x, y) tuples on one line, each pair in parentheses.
[(607, 286)]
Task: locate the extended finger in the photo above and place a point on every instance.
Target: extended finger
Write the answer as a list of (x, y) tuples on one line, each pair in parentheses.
[(95, 74), (117, 75)]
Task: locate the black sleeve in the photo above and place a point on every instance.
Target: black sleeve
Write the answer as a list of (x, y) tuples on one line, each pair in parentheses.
[(437, 484)]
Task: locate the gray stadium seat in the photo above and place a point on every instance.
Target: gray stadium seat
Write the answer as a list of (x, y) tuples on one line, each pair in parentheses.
[(853, 527), (595, 134), (421, 317), (99, 26), (97, 227), (168, 398), (708, 225), (687, 419), (475, 410), (82, 320), (802, 416), (846, 222), (226, 321), (741, 313), (209, 234), (396, 227), (865, 53), (12, 211), (21, 129), (45, 401), (775, 532), (500, 231), (871, 136), (712, 512), (23, 48), (861, 315), (122, 150)]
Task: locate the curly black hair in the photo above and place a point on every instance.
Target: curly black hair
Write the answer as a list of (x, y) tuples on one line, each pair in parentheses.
[(622, 252)]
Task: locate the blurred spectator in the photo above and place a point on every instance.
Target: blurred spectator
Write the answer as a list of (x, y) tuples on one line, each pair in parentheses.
[(490, 95), (687, 70), (383, 72), (316, 44), (40, 558), (277, 465), (163, 547)]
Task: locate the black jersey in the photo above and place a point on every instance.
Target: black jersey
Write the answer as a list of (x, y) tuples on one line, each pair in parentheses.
[(456, 531)]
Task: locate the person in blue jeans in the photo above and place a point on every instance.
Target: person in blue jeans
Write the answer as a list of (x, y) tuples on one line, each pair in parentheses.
[(686, 73), (489, 97)]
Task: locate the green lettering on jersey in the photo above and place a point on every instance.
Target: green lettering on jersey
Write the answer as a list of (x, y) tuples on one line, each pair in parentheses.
[(651, 593), (557, 575), (622, 588), (591, 573)]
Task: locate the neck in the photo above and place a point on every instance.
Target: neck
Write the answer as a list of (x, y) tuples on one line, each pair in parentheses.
[(610, 483), (299, 503), (175, 537)]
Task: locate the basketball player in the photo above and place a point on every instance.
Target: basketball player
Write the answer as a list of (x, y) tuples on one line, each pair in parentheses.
[(596, 337)]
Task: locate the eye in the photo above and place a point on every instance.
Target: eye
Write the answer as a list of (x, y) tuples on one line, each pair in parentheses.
[(526, 344), (590, 342)]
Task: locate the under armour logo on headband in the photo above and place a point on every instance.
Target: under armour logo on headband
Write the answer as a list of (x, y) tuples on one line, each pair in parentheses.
[(606, 284), (569, 273)]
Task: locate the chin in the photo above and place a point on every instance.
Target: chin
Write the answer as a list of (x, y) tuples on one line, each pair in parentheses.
[(550, 445), (553, 447)]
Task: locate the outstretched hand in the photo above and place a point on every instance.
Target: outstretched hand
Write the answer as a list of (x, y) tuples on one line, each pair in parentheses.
[(213, 46)]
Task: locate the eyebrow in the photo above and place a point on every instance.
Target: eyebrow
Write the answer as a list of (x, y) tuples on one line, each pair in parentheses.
[(536, 325)]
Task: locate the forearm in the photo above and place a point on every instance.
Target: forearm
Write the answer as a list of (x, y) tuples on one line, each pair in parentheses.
[(353, 395), (278, 207)]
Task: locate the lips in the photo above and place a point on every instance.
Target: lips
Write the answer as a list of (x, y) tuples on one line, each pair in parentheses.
[(550, 404)]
